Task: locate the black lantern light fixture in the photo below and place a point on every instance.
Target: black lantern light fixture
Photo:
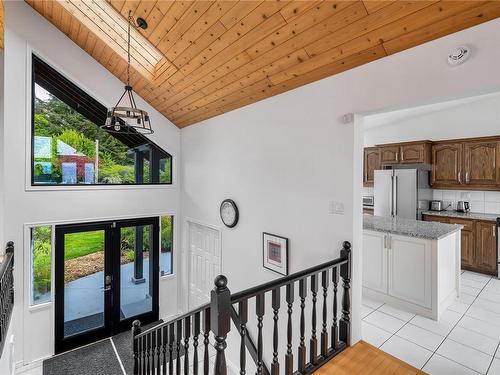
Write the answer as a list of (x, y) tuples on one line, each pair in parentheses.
[(126, 117)]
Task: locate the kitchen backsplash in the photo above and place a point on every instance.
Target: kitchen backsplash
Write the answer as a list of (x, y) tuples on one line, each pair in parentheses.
[(480, 201)]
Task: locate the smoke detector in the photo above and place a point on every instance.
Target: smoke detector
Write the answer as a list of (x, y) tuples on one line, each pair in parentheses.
[(459, 55)]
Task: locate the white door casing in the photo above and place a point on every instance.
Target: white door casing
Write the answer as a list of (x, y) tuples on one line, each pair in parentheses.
[(204, 262)]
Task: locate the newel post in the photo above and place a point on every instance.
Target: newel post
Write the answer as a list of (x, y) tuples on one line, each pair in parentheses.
[(220, 319), (345, 273), (136, 329)]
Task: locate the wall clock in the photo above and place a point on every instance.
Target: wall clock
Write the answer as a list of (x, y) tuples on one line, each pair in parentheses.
[(229, 213)]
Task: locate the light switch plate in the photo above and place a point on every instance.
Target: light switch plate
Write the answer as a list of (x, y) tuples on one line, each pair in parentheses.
[(336, 208)]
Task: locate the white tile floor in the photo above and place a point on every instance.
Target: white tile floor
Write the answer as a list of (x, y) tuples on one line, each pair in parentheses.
[(464, 341)]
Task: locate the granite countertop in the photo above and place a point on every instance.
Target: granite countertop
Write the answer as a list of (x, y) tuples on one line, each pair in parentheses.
[(463, 215), (409, 227)]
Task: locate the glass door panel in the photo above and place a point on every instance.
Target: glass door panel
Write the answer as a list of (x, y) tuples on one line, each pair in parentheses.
[(136, 285), (84, 281)]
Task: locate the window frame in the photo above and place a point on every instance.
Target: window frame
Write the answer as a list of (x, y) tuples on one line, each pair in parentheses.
[(156, 150), (30, 260)]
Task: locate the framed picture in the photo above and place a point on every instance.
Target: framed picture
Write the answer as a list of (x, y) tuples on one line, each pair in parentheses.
[(275, 253)]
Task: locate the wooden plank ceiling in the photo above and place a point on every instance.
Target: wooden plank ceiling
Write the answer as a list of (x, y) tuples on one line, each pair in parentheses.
[(216, 56)]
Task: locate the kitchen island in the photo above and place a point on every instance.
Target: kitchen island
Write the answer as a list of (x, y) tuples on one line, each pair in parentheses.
[(411, 264)]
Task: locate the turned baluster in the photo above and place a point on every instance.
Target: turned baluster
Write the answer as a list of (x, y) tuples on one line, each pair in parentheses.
[(335, 329), (324, 332), (171, 339), (289, 354), (136, 329), (220, 306), (314, 340), (206, 341), (178, 340), (345, 273), (187, 335), (243, 313), (159, 347), (196, 333), (259, 311), (164, 346), (302, 346), (275, 366), (148, 353), (153, 351)]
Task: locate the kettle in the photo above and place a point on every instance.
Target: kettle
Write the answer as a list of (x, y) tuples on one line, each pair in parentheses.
[(463, 206)]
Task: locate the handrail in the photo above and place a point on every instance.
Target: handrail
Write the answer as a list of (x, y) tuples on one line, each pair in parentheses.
[(263, 288), (174, 320)]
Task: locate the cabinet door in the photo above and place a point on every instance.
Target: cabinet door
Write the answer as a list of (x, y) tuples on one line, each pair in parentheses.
[(374, 261), (486, 247), (389, 154), (481, 163), (371, 162), (415, 153), (447, 161), (410, 270), (467, 244)]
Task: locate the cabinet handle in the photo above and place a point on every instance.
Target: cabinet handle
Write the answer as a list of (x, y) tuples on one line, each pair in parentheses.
[(397, 156), (459, 177), (402, 156), (493, 230), (467, 177)]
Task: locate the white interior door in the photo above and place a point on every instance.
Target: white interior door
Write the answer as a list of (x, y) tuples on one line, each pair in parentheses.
[(204, 262)]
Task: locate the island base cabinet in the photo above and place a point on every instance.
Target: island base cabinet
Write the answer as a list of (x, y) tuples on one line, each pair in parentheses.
[(410, 270), (421, 276), (375, 261)]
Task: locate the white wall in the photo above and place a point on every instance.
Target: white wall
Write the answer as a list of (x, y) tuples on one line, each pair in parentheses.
[(285, 158), (26, 29), (477, 118)]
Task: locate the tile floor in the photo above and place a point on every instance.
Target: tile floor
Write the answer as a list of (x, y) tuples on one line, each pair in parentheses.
[(464, 341)]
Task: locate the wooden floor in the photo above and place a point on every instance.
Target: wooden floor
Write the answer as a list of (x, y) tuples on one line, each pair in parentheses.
[(364, 358)]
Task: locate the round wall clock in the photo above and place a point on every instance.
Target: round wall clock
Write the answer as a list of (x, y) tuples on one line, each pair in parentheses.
[(229, 213)]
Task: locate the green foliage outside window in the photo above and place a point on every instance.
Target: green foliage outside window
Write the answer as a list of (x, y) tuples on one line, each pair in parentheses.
[(41, 247)]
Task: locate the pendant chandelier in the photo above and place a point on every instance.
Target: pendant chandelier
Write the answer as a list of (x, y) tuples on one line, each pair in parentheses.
[(125, 117)]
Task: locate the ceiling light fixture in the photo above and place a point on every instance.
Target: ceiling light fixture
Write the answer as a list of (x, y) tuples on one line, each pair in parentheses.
[(126, 117)]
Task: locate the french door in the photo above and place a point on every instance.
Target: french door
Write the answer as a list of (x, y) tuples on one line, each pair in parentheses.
[(106, 276)]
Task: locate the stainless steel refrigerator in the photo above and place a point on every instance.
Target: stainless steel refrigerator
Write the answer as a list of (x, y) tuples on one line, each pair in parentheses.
[(401, 192)]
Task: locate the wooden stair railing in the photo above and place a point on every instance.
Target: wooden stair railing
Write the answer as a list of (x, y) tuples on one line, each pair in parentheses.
[(156, 349)]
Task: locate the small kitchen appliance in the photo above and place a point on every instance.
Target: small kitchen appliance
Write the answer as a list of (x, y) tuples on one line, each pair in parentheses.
[(463, 206), (436, 205)]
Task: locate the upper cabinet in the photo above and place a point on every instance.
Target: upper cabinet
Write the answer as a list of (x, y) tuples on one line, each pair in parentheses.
[(481, 161), (467, 164), (371, 161), (447, 159), (406, 153)]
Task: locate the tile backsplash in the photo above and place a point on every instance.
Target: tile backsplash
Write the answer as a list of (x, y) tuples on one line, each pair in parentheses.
[(480, 201)]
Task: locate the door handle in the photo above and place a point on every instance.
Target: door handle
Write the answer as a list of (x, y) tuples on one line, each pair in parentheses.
[(493, 230), (107, 283)]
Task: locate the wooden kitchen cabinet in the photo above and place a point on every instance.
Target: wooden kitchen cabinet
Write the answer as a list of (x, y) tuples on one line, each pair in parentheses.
[(478, 248), (389, 154), (467, 244), (415, 153), (486, 248), (371, 162), (481, 162), (447, 163)]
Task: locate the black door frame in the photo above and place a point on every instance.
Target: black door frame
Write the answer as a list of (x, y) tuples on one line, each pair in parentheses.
[(112, 323)]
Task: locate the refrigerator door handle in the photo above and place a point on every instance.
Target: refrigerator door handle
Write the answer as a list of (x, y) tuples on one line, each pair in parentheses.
[(395, 195), (392, 196)]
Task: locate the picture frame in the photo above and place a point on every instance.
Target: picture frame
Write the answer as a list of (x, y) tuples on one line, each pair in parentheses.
[(275, 253)]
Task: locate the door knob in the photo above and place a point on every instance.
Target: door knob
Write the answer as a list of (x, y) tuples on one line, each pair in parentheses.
[(107, 283)]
